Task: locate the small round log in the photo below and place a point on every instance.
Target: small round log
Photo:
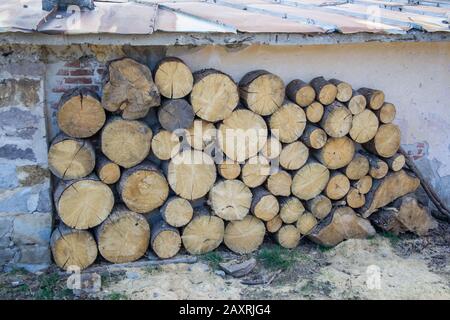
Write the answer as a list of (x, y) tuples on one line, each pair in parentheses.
[(306, 223), (355, 199), (291, 209), (357, 103), (165, 145), (325, 91), (378, 168), (319, 206), (244, 236), (288, 122), (230, 199), (272, 148), (173, 78), (274, 225), (288, 236), (363, 185), (229, 169), (386, 141), (386, 113), (176, 114), (264, 205), (396, 162), (177, 211), (336, 120), (279, 183), (338, 186), (201, 134), (255, 171), (106, 170), (364, 126), (344, 90), (357, 168), (337, 153), (294, 155), (374, 98), (165, 239), (314, 112), (310, 180), (314, 137), (300, 92)]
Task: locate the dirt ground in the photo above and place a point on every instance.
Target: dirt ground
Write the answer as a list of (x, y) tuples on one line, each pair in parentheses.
[(383, 267)]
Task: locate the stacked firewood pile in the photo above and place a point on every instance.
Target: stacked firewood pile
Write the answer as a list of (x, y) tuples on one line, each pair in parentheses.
[(178, 159)]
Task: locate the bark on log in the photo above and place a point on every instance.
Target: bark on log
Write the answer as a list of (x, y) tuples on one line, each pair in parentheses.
[(126, 142), (230, 199), (355, 199), (338, 186), (165, 239), (300, 92), (386, 142), (83, 203), (336, 153), (374, 98), (130, 90), (310, 180), (176, 114), (396, 162), (291, 209), (124, 236), (325, 91), (165, 145), (279, 183), (272, 148), (214, 95), (364, 126), (314, 112), (357, 103), (244, 236), (378, 168), (70, 158), (143, 188), (262, 92), (201, 134), (177, 211), (288, 122), (264, 205), (274, 225), (288, 236), (173, 78), (306, 223), (314, 137), (255, 171), (72, 247), (294, 155), (106, 170), (229, 169), (344, 90), (80, 113), (319, 206), (336, 120), (386, 113)]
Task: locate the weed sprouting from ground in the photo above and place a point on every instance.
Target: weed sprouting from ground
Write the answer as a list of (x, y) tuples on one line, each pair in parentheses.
[(393, 238), (116, 296), (213, 259), (276, 258)]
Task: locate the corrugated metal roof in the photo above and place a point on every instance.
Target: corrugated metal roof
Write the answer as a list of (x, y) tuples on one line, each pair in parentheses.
[(144, 17)]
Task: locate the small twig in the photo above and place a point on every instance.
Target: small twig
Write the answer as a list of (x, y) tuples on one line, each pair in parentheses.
[(275, 274)]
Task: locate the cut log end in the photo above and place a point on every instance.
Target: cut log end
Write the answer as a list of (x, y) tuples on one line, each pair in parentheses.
[(288, 122), (319, 206), (336, 120), (279, 183), (314, 112), (337, 153), (165, 145), (355, 199), (176, 114), (272, 148), (325, 91), (364, 126), (386, 113), (300, 92), (255, 171), (291, 209), (337, 186), (230, 199), (177, 212), (310, 180), (288, 236), (173, 78), (264, 205), (306, 223), (294, 155), (229, 169), (274, 225), (244, 236)]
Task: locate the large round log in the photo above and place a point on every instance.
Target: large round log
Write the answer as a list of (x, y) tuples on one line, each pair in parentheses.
[(310, 180), (173, 78), (386, 142), (124, 236), (262, 92), (126, 142), (294, 155), (70, 158), (344, 90), (288, 236), (319, 206), (314, 112), (291, 209), (306, 223), (177, 211), (364, 126), (229, 169), (165, 239), (337, 186), (201, 134), (80, 113), (130, 90), (264, 205), (255, 171), (288, 122), (357, 103), (244, 236), (272, 148), (357, 168), (386, 113), (204, 233), (325, 91), (230, 199), (374, 98), (191, 174), (274, 225), (106, 170), (143, 188), (337, 153), (314, 137), (72, 247), (214, 95), (165, 145), (176, 114), (336, 120), (279, 183), (83, 203), (300, 92), (242, 135)]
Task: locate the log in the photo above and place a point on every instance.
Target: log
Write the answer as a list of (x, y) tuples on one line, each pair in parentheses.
[(72, 247), (274, 225), (204, 233), (244, 236), (129, 89), (70, 158), (173, 78), (396, 162), (242, 135), (201, 134), (288, 122), (106, 170), (300, 92), (124, 236), (279, 183), (294, 155), (344, 90), (143, 188), (310, 180), (80, 113), (363, 185), (374, 98), (306, 223), (83, 203), (165, 145), (291, 209), (165, 239), (336, 120), (288, 236), (314, 112), (388, 189), (357, 168), (191, 174), (357, 103), (386, 113), (314, 137), (342, 224), (214, 95), (272, 148), (338, 186), (336, 153), (126, 142), (386, 142), (364, 126), (319, 206), (176, 114), (355, 199), (229, 169), (378, 168), (262, 92), (264, 205), (230, 199), (325, 91), (177, 212), (255, 171)]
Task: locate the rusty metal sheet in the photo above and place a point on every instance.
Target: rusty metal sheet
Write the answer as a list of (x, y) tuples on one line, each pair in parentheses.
[(117, 18), (23, 15), (241, 20)]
